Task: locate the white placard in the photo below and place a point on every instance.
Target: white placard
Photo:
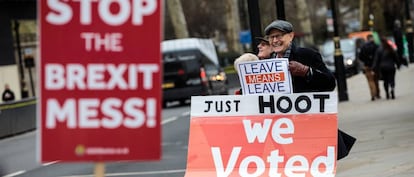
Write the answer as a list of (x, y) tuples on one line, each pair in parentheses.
[(268, 76)]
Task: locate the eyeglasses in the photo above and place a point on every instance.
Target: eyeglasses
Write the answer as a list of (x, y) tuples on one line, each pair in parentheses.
[(263, 43), (276, 36)]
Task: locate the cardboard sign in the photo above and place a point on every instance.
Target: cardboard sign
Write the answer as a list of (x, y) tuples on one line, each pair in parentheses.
[(263, 135), (100, 80), (265, 76)]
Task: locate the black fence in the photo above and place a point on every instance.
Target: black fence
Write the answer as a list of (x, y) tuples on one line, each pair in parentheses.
[(17, 117)]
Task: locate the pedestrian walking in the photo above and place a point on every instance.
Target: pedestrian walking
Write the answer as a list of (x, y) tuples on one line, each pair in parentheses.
[(398, 38), (386, 60), (366, 55)]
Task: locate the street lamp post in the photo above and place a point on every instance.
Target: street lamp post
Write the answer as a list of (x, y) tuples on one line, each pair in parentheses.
[(371, 22), (254, 20), (339, 59), (19, 49), (280, 9), (409, 30)]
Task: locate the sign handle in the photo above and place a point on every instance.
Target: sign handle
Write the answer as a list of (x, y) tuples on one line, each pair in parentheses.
[(99, 169)]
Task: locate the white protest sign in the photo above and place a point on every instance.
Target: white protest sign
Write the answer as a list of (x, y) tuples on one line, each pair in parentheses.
[(265, 76), (282, 135)]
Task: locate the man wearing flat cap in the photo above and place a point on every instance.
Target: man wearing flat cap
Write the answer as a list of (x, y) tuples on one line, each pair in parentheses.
[(309, 73)]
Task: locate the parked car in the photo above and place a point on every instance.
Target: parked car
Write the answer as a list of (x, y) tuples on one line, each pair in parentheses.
[(191, 68), (349, 52)]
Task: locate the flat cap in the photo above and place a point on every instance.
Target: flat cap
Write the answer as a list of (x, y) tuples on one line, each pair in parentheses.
[(280, 25), (262, 39)]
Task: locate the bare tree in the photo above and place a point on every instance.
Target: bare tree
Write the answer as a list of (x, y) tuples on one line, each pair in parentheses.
[(204, 17), (177, 18), (362, 10), (233, 25), (304, 21), (375, 9), (207, 18), (393, 11), (267, 12)]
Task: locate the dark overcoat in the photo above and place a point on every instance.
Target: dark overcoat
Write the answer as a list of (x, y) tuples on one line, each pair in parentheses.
[(320, 80)]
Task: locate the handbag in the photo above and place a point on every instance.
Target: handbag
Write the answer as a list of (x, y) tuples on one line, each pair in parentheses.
[(345, 143)]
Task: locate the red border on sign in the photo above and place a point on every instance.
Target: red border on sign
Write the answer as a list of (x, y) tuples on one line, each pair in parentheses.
[(100, 82)]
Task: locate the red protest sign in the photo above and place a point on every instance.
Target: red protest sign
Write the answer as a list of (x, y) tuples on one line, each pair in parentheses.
[(100, 79), (255, 136)]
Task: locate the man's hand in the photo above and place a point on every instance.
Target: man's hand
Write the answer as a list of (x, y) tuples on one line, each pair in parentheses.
[(298, 69)]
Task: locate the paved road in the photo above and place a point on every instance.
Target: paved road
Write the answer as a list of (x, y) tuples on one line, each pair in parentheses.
[(384, 128), (17, 154)]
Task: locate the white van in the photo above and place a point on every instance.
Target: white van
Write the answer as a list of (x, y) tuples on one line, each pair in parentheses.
[(191, 68)]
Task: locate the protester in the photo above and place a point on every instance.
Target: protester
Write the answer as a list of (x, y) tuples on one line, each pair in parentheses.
[(243, 58), (265, 50), (8, 94), (366, 55), (309, 73), (386, 60)]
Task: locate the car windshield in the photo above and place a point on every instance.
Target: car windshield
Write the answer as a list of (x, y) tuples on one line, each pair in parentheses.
[(347, 45)]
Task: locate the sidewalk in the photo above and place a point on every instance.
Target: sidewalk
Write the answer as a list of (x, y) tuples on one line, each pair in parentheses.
[(384, 129)]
